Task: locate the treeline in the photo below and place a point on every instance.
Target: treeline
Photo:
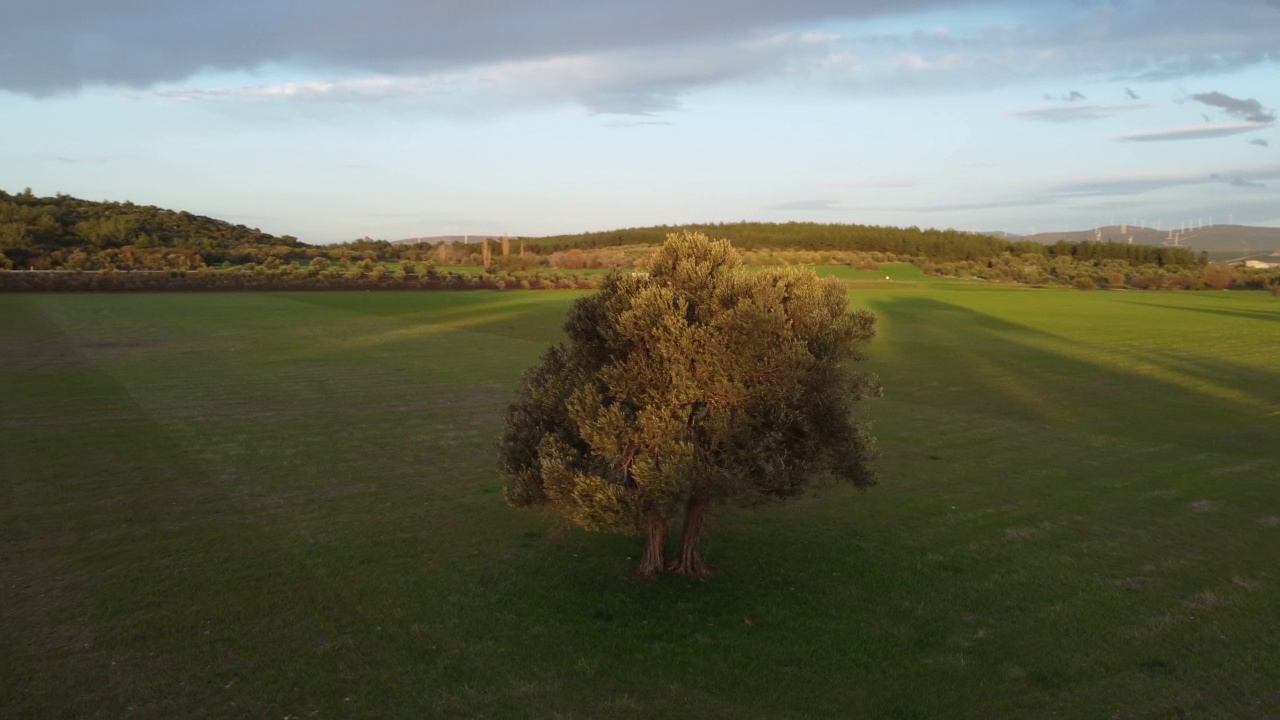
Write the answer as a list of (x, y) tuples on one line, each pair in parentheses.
[(39, 232), (1037, 270), (64, 232), (928, 244), (316, 275), (321, 274)]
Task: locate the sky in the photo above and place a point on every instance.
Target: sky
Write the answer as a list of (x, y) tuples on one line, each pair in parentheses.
[(336, 119)]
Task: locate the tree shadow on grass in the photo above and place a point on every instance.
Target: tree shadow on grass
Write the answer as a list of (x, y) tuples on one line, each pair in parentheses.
[(1238, 314), (957, 358), (518, 315)]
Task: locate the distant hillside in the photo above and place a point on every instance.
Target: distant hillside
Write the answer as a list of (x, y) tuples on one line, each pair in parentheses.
[(33, 226), (935, 245), (912, 241), (1219, 239), (796, 236)]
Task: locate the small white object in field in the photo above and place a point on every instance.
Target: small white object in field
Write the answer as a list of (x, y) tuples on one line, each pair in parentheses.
[(886, 277)]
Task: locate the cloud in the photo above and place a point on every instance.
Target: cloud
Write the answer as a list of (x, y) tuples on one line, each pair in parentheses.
[(640, 82), (1259, 142), (828, 205), (64, 45), (1129, 93), (638, 123), (807, 205), (1194, 132), (1111, 186), (1075, 113), (880, 183), (987, 204), (58, 46), (1083, 196), (344, 89), (1250, 110), (1074, 96), (1114, 39), (1141, 183)]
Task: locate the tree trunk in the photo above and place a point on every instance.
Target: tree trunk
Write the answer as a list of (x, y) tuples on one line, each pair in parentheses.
[(654, 561), (690, 560)]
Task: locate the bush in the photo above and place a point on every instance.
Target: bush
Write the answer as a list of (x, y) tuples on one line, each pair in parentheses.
[(516, 262), (1084, 283), (1147, 282), (1219, 276)]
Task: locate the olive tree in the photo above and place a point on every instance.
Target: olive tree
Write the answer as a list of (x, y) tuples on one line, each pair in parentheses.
[(694, 385)]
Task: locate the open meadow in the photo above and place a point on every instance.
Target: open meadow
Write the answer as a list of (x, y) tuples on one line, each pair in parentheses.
[(286, 505)]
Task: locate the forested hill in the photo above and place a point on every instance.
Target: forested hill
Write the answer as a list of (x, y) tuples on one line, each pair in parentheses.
[(1227, 239), (45, 232), (33, 226), (937, 245)]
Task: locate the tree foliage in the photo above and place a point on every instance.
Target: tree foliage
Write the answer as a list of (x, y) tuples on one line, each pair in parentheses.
[(1219, 276), (694, 385)]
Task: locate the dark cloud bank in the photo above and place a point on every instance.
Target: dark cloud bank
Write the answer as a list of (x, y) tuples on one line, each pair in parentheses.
[(56, 46), (60, 45)]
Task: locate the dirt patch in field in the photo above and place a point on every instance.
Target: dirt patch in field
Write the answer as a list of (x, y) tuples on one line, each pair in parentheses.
[(1243, 467), (1204, 506), (1207, 600), (1243, 582), (1272, 521), (1137, 582), (1164, 565), (1025, 533)]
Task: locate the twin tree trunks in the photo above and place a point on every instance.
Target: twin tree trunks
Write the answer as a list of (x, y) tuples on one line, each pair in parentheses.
[(689, 560)]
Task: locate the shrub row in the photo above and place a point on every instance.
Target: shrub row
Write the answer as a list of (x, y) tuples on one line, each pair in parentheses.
[(208, 279)]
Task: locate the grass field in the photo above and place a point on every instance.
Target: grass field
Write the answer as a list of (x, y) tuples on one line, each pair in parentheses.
[(285, 505)]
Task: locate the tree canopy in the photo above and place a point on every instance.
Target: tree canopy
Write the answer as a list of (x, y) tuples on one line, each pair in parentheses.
[(694, 385)]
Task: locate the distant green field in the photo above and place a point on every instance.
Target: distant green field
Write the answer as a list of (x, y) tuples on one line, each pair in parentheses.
[(887, 272), (285, 505)]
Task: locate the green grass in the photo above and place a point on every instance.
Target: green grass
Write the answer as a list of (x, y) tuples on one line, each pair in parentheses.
[(285, 504), (891, 272)]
